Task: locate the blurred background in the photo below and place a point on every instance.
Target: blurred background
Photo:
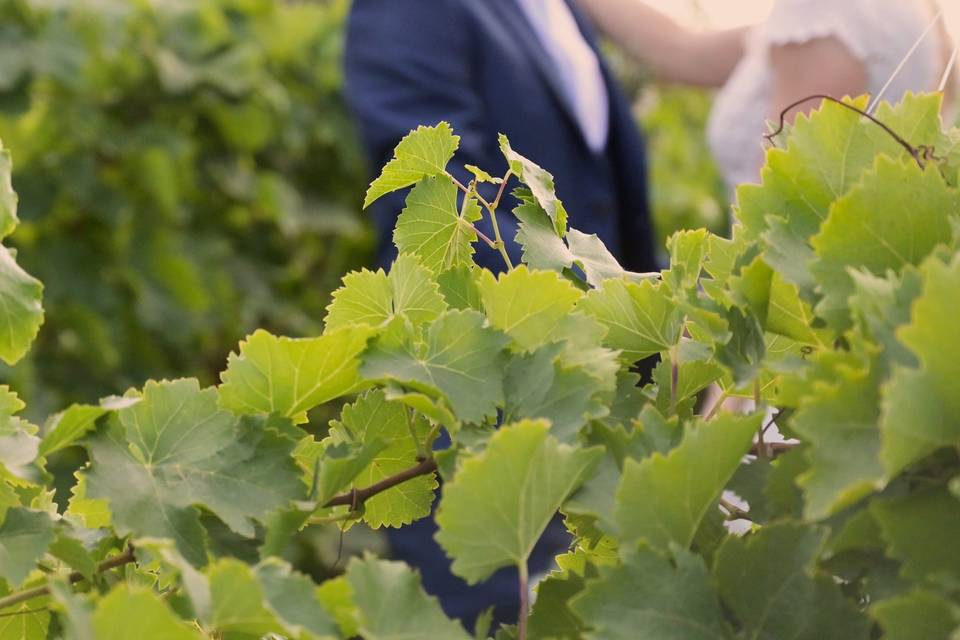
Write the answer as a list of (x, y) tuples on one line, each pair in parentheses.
[(187, 172)]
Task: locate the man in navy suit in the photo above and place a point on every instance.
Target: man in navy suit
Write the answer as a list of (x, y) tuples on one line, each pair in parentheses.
[(529, 69)]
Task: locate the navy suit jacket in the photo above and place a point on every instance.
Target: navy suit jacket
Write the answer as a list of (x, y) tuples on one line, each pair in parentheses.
[(479, 65)]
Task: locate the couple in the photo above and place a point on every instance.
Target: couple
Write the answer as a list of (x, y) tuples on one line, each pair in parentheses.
[(532, 69)]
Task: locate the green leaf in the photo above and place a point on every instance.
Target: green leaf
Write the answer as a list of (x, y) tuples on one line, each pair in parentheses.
[(339, 464), (663, 499), (648, 598), (25, 621), (527, 305), (500, 501), (295, 600), (542, 247), (551, 616), (838, 420), (422, 153), (539, 385), (767, 579), (22, 311), (66, 427), (392, 603), (374, 298), (894, 217), (373, 419), (920, 405), (24, 538), (459, 288), (176, 449), (540, 183), (432, 228), (919, 614), (688, 250), (8, 197), (641, 318), (133, 612), (72, 552), (18, 444), (266, 599), (290, 376), (481, 175), (596, 261), (921, 531), (460, 359)]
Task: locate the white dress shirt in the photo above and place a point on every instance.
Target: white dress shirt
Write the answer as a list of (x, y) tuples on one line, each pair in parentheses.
[(578, 66)]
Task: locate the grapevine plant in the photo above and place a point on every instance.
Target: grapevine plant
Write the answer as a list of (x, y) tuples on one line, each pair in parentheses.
[(832, 307)]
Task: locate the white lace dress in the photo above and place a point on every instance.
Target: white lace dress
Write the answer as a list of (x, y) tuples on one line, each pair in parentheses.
[(878, 32)]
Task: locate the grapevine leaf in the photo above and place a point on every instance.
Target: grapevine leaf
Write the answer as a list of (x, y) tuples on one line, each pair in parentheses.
[(294, 599), (919, 614), (22, 311), (422, 153), (66, 427), (882, 305), (373, 419), (8, 197), (267, 599), (542, 247), (551, 616), (921, 531), (527, 305), (339, 464), (767, 579), (134, 612), (79, 612), (481, 175), (393, 605), (460, 359), (641, 318), (175, 449), (596, 261), (688, 250), (894, 217), (19, 445), (920, 405), (24, 538), (540, 183), (537, 385), (25, 621), (289, 376), (374, 298), (432, 228), (72, 552), (500, 501), (459, 288), (663, 498), (838, 420), (648, 598)]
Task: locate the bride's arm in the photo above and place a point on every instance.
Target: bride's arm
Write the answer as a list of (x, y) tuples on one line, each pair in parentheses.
[(672, 53), (820, 66)]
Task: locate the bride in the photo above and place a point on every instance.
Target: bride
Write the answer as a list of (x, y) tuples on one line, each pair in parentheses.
[(805, 47)]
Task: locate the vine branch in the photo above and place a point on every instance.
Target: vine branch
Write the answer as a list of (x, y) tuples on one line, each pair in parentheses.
[(913, 151), (357, 497), (28, 594)]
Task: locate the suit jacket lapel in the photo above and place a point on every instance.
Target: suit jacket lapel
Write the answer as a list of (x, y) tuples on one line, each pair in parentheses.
[(514, 20)]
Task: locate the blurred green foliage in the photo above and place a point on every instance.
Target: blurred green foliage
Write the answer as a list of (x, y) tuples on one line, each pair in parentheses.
[(687, 190), (187, 172)]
